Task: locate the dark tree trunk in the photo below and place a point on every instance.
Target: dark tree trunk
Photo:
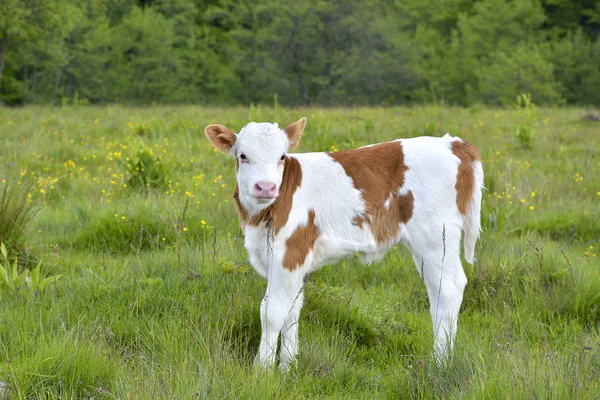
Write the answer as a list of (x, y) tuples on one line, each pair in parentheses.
[(3, 48)]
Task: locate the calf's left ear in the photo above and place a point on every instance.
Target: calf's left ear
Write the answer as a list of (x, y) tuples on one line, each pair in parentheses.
[(295, 131), (221, 137)]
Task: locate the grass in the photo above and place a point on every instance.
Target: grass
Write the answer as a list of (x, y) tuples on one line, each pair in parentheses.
[(158, 300), (16, 212)]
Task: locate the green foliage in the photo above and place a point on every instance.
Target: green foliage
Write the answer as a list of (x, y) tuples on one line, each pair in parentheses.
[(17, 210), (526, 120), (301, 52), (65, 367), (32, 35), (29, 282), (144, 67), (140, 129), (541, 271), (119, 233), (575, 58), (147, 318), (523, 70), (566, 226), (145, 169), (497, 218)]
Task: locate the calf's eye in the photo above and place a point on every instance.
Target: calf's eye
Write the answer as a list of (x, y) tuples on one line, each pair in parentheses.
[(243, 157), (282, 157)]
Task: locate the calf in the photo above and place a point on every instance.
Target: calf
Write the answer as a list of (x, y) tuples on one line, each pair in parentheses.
[(302, 211)]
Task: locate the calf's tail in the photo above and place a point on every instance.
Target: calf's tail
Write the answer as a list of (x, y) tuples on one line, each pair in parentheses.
[(472, 225)]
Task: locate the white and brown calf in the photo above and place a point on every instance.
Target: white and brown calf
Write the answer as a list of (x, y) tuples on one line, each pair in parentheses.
[(303, 211)]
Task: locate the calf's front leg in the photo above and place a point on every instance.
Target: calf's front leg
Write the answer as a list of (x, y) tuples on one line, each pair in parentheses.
[(289, 333), (279, 310)]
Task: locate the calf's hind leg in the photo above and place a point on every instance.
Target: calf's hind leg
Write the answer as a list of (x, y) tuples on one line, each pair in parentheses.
[(438, 260)]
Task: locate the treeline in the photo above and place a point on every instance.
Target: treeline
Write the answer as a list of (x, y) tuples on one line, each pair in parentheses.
[(299, 52)]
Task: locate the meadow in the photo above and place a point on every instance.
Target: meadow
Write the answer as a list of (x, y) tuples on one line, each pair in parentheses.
[(156, 299)]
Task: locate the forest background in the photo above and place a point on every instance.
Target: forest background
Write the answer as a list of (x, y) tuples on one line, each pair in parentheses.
[(303, 52)]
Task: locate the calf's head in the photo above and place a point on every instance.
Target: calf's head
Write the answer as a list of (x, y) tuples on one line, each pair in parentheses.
[(260, 150)]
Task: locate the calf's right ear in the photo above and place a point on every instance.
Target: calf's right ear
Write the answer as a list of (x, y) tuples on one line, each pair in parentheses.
[(221, 137)]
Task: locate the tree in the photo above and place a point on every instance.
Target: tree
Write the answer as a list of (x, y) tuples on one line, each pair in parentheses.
[(576, 61), (522, 70), (350, 52), (142, 64), (461, 67), (25, 24), (88, 45), (316, 52)]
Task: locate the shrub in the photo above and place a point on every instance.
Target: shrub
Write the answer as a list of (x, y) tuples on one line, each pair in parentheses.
[(146, 170), (140, 231), (30, 282), (526, 117), (16, 211)]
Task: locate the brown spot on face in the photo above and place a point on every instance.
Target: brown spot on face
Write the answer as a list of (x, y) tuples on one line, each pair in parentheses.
[(378, 172), (300, 243), (276, 215), (465, 179)]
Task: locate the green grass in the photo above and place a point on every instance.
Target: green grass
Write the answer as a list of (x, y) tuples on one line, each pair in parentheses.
[(158, 299)]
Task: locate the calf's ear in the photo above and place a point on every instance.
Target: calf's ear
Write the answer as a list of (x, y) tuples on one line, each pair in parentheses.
[(221, 137), (294, 132)]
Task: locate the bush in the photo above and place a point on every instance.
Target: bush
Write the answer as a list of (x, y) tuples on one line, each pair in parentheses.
[(146, 170), (526, 119), (30, 283), (137, 232), (17, 210)]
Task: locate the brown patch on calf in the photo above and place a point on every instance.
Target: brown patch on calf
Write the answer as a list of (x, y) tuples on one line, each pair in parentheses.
[(221, 137), (300, 243), (276, 215), (294, 132), (358, 221), (378, 172), (465, 178), (385, 222)]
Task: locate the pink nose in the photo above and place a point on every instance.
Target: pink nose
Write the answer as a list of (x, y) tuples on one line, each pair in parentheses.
[(265, 189)]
